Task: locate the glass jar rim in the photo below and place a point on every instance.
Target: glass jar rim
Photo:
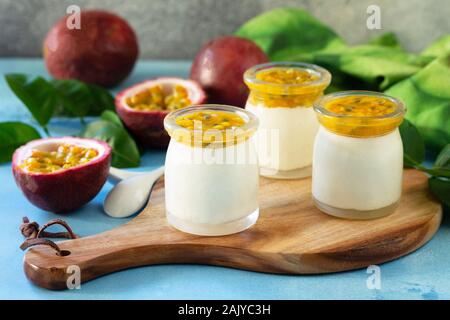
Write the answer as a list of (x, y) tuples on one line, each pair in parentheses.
[(249, 128), (252, 82), (319, 106)]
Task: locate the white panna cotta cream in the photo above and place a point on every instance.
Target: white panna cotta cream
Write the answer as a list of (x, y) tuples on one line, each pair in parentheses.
[(211, 170), (282, 95), (358, 155)]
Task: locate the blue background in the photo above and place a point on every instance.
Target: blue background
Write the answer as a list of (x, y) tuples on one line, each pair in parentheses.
[(424, 274)]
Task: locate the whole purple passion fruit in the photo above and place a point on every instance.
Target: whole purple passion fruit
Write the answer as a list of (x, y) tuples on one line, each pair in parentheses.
[(102, 51), (220, 65)]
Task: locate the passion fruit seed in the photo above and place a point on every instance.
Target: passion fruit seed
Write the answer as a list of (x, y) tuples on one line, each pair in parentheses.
[(361, 106), (154, 98), (286, 76), (65, 157)]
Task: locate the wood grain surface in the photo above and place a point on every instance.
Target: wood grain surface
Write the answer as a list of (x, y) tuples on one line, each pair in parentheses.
[(291, 236)]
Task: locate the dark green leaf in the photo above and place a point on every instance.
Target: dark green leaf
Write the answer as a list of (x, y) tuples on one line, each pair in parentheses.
[(74, 97), (388, 39), (125, 151), (441, 189), (80, 99), (64, 97), (36, 93), (413, 145), (103, 100), (12, 136)]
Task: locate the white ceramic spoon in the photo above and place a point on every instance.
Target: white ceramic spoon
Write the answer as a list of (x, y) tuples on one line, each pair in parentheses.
[(131, 192)]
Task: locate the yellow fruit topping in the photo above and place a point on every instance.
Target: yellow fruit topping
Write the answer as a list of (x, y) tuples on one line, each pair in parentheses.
[(286, 76), (209, 119), (155, 98), (210, 126), (285, 87), (361, 106), (359, 115), (64, 157)]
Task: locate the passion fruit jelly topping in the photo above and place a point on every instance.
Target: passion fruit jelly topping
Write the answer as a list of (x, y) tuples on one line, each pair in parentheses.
[(360, 113), (286, 84), (156, 98), (64, 157), (364, 106), (286, 76), (209, 119), (210, 124)]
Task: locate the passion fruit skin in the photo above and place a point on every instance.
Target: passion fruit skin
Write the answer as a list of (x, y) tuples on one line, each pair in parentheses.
[(103, 51), (148, 126), (220, 65), (65, 190)]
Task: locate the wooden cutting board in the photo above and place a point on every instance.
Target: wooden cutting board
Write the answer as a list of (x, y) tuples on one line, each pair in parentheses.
[(291, 236)]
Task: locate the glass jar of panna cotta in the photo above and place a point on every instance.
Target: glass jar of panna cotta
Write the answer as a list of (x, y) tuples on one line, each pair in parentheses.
[(282, 95), (211, 170), (358, 155)]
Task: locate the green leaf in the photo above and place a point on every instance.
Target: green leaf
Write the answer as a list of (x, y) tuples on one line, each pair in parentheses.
[(427, 98), (377, 67), (285, 33), (80, 99), (12, 136), (74, 97), (36, 93), (437, 172), (295, 35), (441, 189), (103, 100), (124, 148), (441, 167), (388, 39), (443, 159), (111, 116), (439, 48), (63, 97), (413, 145)]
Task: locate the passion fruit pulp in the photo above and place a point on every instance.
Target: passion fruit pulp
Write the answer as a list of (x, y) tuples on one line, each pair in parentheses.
[(144, 106), (61, 174)]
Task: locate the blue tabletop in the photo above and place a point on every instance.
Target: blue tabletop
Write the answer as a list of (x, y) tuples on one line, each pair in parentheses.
[(424, 274)]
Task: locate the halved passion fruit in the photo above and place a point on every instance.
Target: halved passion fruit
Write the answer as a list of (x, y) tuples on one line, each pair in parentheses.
[(61, 174), (144, 106)]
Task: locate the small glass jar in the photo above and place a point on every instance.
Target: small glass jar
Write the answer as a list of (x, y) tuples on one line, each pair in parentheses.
[(211, 170), (281, 96), (358, 155)]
